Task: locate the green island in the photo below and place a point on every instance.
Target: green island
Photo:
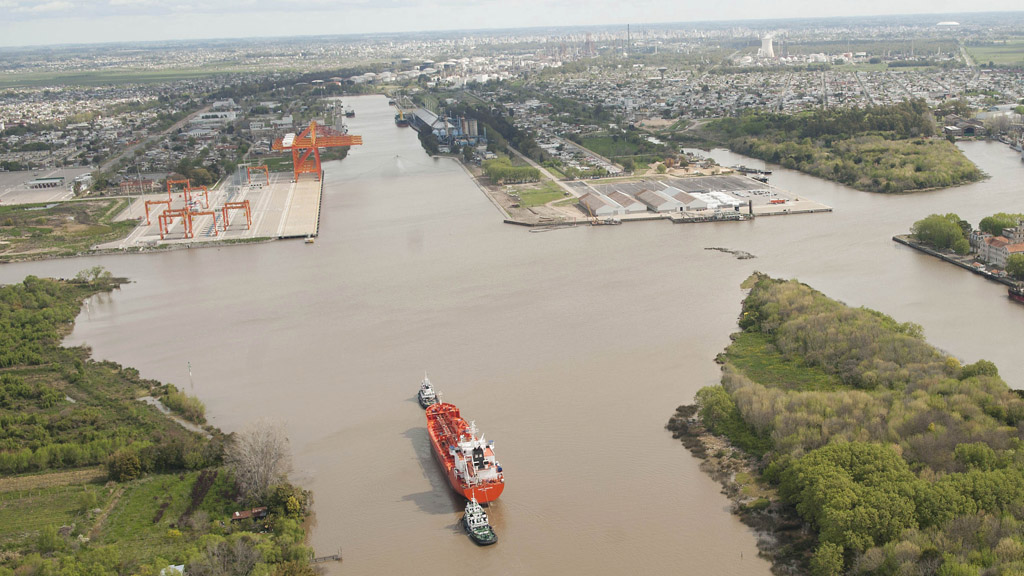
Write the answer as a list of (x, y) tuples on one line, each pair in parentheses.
[(888, 148), (96, 479), (856, 446)]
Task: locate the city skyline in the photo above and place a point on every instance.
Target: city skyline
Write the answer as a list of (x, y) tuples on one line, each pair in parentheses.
[(54, 22)]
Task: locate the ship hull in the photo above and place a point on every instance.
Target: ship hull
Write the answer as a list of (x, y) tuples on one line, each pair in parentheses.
[(1016, 296), (441, 440)]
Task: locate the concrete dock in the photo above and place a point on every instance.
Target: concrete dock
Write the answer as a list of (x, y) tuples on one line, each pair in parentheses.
[(282, 209)]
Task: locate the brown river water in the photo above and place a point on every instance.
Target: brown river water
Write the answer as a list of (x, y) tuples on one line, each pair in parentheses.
[(570, 349)]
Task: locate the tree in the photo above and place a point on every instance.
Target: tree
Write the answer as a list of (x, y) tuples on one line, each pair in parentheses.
[(260, 457), (827, 560), (994, 224), (236, 558), (124, 466), (939, 231), (1015, 266)]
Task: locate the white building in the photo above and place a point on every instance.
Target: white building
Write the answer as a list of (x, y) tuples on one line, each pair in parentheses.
[(659, 201), (599, 205), (629, 204)]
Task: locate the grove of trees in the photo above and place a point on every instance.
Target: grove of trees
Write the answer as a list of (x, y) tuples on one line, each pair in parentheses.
[(907, 462), (943, 231), (885, 148)]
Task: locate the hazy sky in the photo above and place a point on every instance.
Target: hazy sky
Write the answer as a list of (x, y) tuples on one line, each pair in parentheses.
[(33, 22)]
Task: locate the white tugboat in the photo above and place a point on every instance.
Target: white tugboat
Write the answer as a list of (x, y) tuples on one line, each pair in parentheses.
[(475, 521), (426, 395)]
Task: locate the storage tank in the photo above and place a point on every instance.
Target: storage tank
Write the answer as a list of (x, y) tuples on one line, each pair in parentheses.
[(473, 127)]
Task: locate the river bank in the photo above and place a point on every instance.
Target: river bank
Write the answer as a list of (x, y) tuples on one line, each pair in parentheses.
[(966, 262), (782, 537)]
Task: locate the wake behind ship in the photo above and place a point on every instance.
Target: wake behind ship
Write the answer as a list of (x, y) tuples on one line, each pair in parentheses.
[(472, 469)]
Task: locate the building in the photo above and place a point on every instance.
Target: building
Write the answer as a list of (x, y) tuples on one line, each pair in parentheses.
[(629, 204), (139, 186), (600, 206), (659, 201), (39, 183)]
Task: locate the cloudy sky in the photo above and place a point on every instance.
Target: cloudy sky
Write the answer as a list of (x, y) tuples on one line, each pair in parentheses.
[(35, 22)]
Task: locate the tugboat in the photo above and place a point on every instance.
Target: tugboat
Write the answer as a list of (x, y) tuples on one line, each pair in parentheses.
[(475, 522), (426, 394), (350, 112)]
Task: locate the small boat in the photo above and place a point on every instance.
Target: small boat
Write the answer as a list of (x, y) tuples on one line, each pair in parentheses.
[(309, 240), (475, 522), (349, 112), (426, 395)]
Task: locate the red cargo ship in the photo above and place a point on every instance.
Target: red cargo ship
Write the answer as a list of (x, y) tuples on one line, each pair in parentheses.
[(472, 469)]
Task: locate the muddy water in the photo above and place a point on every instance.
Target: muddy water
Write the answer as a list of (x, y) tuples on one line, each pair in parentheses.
[(569, 348)]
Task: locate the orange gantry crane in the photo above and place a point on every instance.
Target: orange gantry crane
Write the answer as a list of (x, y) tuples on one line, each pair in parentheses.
[(213, 213), (206, 195), (306, 147), (154, 203), (262, 168), (171, 183), (167, 217), (243, 205)]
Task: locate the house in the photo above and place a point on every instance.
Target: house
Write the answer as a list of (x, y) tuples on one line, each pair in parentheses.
[(255, 513)]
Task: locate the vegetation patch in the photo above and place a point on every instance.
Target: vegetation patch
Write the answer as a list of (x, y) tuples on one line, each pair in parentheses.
[(757, 358), (168, 498), (61, 229), (896, 465), (539, 196), (878, 148)]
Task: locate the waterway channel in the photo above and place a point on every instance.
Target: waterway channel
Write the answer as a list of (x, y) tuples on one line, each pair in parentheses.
[(570, 349)]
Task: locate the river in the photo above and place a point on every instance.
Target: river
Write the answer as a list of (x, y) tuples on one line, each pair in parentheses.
[(570, 349)]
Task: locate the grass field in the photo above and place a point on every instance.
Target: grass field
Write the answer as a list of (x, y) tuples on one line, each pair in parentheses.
[(65, 229), (607, 146), (24, 513), (51, 479), (109, 77), (1009, 54), (278, 163), (755, 356), (546, 192)]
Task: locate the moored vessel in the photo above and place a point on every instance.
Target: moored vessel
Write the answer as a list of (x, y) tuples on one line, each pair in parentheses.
[(426, 395), (469, 461), (476, 524), (1016, 292)]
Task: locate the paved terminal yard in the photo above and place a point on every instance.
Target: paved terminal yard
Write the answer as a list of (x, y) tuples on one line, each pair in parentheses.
[(282, 209), (730, 191), (39, 186)]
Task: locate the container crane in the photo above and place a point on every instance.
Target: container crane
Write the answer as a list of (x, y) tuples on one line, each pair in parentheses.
[(306, 145)]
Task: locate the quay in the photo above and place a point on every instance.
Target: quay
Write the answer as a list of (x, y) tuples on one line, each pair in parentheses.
[(267, 206), (905, 240)]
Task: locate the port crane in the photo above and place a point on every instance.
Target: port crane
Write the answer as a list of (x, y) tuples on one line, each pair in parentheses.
[(305, 147)]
